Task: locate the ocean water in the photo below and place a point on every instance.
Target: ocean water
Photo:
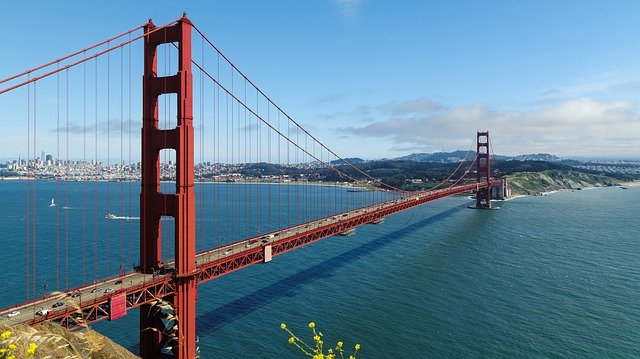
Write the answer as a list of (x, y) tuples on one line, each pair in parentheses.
[(543, 277)]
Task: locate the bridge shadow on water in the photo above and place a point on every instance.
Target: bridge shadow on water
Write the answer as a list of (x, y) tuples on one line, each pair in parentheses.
[(219, 317)]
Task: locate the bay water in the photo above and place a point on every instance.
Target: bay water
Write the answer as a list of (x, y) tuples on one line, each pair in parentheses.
[(545, 276)]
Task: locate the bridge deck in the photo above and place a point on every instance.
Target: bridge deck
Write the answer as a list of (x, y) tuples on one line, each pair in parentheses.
[(91, 303)]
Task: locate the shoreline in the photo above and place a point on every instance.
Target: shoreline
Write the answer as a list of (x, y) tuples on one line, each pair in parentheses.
[(546, 193)]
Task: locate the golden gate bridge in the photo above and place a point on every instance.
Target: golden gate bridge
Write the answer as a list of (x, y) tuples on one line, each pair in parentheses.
[(236, 124)]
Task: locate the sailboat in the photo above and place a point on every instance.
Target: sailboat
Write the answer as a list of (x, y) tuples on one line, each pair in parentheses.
[(53, 204)]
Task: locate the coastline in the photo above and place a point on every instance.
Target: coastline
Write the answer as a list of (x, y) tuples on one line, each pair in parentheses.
[(546, 193)]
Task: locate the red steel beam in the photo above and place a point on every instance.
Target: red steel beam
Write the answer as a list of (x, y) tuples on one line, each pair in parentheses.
[(181, 205), (226, 265), (164, 286)]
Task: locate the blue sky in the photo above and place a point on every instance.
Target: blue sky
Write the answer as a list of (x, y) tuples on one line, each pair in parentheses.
[(387, 78)]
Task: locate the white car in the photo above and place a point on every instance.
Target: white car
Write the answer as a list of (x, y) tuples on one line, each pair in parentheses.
[(13, 314)]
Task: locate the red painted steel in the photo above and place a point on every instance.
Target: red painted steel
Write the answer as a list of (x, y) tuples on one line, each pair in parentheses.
[(217, 268), (483, 170), (180, 205), (179, 282), (163, 286), (118, 306)]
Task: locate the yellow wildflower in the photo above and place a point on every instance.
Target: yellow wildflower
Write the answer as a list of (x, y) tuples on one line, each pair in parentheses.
[(2, 352), (312, 325), (291, 340), (357, 346), (283, 326), (32, 349), (339, 345), (11, 356), (5, 335), (11, 347)]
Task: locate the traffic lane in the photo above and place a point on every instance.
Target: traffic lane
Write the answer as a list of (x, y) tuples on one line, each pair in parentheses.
[(29, 311)]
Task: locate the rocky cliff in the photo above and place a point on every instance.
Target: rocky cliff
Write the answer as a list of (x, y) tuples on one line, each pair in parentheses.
[(53, 341), (530, 183)]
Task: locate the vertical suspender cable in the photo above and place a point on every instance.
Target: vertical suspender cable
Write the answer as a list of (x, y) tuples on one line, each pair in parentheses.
[(109, 174), (130, 169), (120, 167), (66, 186), (232, 162), (218, 229), (259, 187), (202, 161), (238, 215), (228, 167), (247, 216), (279, 167), (268, 161), (84, 163), (96, 176), (35, 192), (28, 214), (289, 182), (57, 172)]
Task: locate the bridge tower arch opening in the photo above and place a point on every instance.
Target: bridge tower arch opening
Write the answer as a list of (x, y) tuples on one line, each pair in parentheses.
[(181, 205)]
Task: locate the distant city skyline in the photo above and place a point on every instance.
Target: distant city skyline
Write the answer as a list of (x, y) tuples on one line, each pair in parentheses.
[(369, 79)]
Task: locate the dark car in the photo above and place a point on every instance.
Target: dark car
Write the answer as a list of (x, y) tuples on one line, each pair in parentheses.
[(57, 304), (95, 289), (119, 281), (76, 295)]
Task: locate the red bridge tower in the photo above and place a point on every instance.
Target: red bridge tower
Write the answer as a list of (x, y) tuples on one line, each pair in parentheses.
[(483, 170), (155, 204)]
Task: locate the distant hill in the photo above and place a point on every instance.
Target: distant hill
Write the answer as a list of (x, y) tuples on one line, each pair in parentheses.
[(545, 157), (352, 160), (440, 157), (459, 155)]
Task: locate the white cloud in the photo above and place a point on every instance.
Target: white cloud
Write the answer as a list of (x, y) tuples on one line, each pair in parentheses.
[(420, 105), (577, 127), (349, 9)]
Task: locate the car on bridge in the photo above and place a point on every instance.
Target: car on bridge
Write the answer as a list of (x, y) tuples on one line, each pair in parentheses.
[(13, 314), (109, 290), (250, 242), (57, 304), (42, 312), (95, 289)]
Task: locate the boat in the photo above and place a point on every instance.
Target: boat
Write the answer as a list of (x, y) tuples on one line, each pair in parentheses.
[(113, 216), (623, 187), (53, 203)]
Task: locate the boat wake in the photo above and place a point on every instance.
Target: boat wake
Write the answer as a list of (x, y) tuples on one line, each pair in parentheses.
[(114, 217)]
